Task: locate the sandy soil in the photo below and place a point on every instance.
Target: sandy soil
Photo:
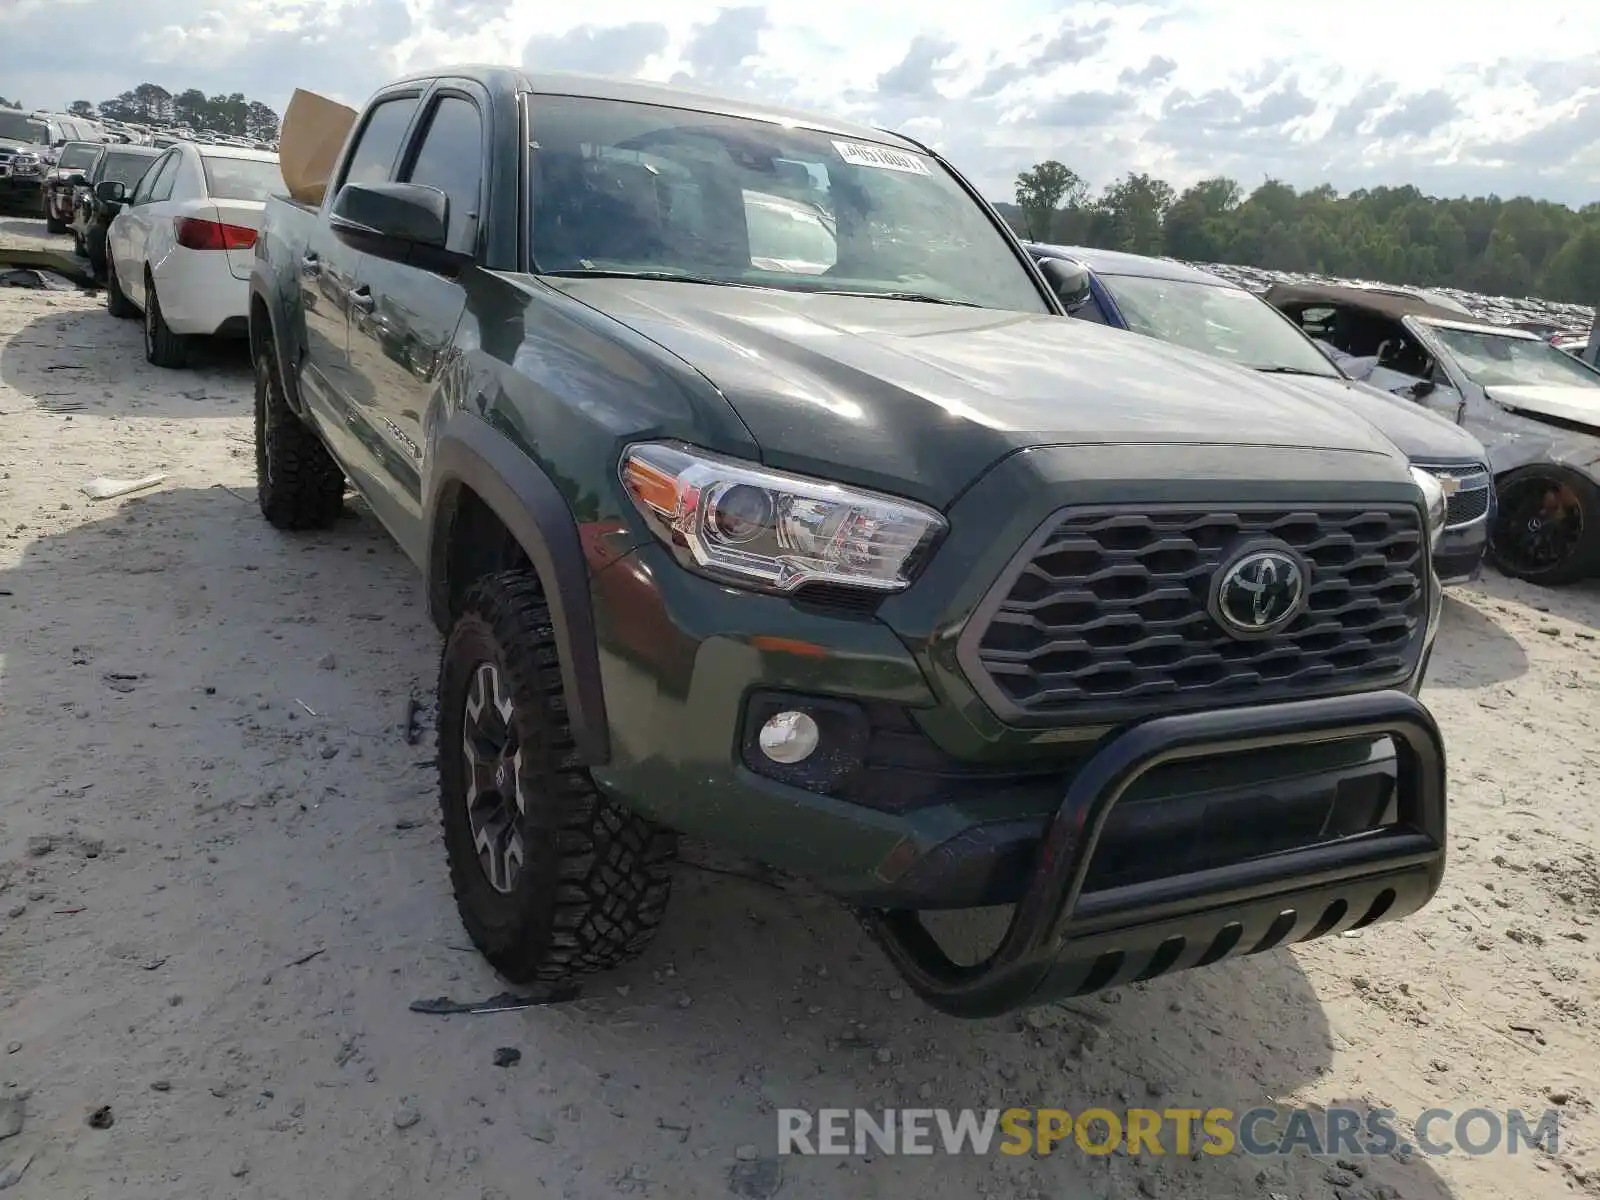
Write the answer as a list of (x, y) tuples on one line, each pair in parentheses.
[(221, 885)]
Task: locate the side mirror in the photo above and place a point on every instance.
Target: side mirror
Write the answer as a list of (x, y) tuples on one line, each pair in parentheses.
[(1068, 280), (401, 222), (78, 179), (1422, 387), (111, 191)]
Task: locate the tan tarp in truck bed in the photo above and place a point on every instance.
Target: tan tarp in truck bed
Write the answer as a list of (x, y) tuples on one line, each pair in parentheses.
[(313, 133)]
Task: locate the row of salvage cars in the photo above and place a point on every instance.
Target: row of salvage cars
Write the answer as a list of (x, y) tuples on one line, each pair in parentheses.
[(170, 231), (1508, 423)]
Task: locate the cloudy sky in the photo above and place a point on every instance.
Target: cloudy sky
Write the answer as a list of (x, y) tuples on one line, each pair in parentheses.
[(1362, 92)]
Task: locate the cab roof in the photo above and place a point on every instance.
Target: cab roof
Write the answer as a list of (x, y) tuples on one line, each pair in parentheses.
[(693, 99)]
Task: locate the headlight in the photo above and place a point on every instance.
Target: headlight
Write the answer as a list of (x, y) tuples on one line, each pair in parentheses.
[(1433, 503), (772, 530)]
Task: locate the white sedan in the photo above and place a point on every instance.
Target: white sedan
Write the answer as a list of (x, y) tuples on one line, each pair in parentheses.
[(180, 250)]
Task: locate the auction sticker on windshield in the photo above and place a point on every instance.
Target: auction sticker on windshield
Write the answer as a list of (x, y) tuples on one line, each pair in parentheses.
[(859, 155)]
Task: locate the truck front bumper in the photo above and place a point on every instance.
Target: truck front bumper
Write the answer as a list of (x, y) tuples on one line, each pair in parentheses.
[(1131, 843), (1063, 940)]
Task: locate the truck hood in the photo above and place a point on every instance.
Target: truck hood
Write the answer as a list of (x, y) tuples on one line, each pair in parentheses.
[(1580, 405), (920, 398), (1419, 433)]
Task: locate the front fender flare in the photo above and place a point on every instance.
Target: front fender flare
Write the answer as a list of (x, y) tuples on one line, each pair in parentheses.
[(468, 453)]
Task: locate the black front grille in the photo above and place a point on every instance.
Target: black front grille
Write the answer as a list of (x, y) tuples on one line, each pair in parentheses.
[(1470, 501), (1104, 616), (1464, 507)]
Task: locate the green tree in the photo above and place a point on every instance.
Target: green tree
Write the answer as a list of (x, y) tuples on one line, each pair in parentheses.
[(1390, 234), (151, 104), (1574, 270), (261, 122), (190, 107), (81, 108), (1136, 206), (1043, 189), (1196, 225)]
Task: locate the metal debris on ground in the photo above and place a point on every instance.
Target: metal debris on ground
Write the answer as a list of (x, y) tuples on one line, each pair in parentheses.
[(504, 1002), (105, 488), (11, 1175), (11, 1115), (409, 728)]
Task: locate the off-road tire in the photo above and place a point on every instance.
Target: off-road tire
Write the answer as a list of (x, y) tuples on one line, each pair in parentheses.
[(162, 347), (596, 877), (299, 486), (1584, 561), (117, 302)]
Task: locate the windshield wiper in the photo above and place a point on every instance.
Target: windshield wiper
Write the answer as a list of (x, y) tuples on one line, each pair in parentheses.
[(1294, 371), (668, 276), (921, 297)]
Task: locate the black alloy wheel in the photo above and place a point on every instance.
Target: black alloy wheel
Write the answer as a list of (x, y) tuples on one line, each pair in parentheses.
[(1548, 528)]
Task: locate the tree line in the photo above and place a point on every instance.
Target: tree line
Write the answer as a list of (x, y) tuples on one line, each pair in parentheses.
[(1515, 247), (152, 104)]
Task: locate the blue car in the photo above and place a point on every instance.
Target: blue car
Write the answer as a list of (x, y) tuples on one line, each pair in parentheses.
[(1193, 308)]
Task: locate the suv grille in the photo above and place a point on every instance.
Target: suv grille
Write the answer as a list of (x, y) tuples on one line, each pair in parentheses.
[(1103, 616), (1470, 501)]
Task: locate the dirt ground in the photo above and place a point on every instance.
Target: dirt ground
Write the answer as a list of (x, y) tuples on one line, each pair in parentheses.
[(221, 886)]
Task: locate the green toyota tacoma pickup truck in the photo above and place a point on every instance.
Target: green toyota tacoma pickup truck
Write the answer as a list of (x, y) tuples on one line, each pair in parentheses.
[(764, 495)]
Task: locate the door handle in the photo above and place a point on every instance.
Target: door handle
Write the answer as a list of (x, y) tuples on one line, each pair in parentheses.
[(310, 265), (361, 298)]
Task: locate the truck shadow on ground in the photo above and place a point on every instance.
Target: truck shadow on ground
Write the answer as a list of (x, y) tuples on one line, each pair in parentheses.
[(1480, 652), (87, 361), (181, 618)]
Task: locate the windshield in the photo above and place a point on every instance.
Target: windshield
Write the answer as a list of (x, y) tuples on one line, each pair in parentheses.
[(77, 156), (667, 191), (1222, 321), (1492, 360), (241, 178), (124, 168), (19, 128)]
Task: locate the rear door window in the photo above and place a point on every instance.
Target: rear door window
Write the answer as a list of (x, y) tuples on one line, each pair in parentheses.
[(450, 158), (379, 142)]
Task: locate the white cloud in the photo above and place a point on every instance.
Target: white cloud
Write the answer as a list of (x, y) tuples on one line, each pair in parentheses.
[(1360, 93)]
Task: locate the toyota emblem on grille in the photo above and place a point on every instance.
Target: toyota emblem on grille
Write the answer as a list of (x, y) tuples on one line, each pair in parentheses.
[(1259, 592)]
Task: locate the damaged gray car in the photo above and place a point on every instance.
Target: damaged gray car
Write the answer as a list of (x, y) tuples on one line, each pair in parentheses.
[(1535, 409)]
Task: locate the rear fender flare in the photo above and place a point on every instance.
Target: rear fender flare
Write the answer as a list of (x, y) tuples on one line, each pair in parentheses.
[(277, 331), (468, 453)]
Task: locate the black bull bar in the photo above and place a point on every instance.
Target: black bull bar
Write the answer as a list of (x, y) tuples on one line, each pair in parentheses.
[(1061, 942)]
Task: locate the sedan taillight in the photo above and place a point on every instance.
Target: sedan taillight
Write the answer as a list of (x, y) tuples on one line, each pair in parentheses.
[(193, 233)]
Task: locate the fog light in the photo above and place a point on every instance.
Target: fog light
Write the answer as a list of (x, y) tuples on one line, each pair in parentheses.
[(789, 737)]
